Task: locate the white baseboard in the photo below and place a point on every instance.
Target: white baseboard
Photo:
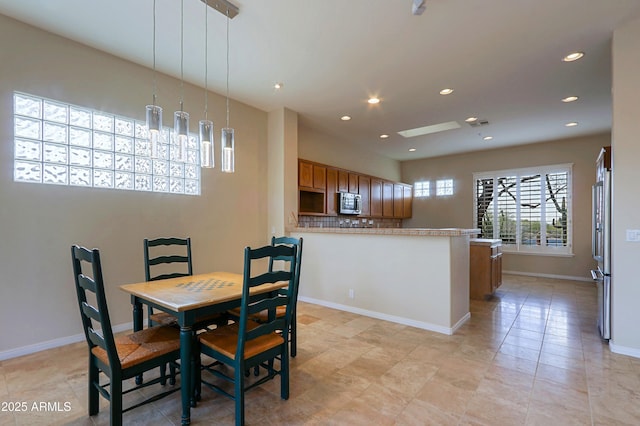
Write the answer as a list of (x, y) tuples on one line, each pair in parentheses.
[(623, 350), (553, 276), (50, 344), (392, 318)]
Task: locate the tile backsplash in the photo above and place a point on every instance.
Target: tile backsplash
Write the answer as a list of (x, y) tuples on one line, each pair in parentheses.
[(347, 221)]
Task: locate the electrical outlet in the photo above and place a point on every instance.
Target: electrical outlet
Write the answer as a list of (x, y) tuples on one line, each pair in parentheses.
[(352, 294)]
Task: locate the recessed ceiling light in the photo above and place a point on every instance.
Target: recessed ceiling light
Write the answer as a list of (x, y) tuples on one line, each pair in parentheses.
[(572, 124), (278, 86), (487, 138), (570, 99), (373, 100), (446, 91), (573, 56), (384, 136), (345, 118), (471, 119), (412, 149)]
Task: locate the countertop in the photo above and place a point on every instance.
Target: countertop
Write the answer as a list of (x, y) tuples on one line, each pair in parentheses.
[(485, 242), (426, 232)]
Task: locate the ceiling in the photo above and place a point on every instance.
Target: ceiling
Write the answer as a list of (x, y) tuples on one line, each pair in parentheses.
[(503, 58)]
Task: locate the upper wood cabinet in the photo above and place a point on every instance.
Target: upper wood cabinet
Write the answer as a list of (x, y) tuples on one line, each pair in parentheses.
[(305, 174), (364, 189), (312, 175), (331, 191), (353, 183), (343, 181), (398, 200), (318, 185), (408, 201), (387, 199), (376, 197)]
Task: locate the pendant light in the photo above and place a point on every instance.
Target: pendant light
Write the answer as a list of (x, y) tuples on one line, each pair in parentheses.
[(181, 118), (227, 140), (154, 112), (206, 126)]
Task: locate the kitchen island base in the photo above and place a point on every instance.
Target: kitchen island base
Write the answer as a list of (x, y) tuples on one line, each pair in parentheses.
[(416, 277)]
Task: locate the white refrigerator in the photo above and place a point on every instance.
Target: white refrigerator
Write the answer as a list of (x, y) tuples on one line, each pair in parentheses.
[(601, 239)]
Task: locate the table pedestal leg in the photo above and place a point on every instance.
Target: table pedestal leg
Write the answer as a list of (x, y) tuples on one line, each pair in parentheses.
[(137, 326), (186, 373)]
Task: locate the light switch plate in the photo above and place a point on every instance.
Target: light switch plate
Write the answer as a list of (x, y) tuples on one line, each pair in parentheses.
[(633, 235)]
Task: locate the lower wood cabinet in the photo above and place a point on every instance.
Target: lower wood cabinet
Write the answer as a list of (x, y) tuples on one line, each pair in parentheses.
[(485, 271)]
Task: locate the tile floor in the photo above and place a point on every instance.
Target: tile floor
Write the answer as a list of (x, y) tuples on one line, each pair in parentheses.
[(529, 356)]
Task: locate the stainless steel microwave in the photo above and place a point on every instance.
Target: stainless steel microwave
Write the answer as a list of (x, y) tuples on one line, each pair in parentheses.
[(349, 203)]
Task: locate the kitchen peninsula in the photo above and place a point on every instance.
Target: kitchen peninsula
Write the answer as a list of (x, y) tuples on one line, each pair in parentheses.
[(418, 277)]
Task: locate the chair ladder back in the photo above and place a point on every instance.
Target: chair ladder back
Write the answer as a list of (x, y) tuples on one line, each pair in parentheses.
[(297, 242), (166, 257), (248, 307), (181, 258), (89, 313)]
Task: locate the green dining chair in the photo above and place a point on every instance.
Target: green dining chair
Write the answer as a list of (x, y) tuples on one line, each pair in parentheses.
[(262, 316), (166, 258), (245, 344), (118, 357), (170, 257)]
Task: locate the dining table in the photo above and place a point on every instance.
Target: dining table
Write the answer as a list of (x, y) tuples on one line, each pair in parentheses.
[(188, 298)]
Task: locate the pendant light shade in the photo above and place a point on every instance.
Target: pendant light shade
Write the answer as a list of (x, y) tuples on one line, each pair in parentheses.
[(181, 118), (227, 144), (181, 128), (205, 126), (206, 144), (154, 125), (227, 141)]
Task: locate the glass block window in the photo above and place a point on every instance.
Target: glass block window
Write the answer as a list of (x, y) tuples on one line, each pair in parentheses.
[(529, 209), (62, 144), (444, 187), (421, 189)]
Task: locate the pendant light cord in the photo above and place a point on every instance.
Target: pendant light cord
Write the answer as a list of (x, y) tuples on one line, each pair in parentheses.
[(206, 59), (227, 67), (181, 54), (154, 54)]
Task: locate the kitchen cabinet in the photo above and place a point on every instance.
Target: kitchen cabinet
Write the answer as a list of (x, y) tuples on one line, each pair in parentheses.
[(311, 175), (364, 189), (485, 271), (331, 191), (408, 201), (353, 183), (398, 200), (318, 185), (387, 199), (311, 188), (376, 197), (305, 174), (343, 181)]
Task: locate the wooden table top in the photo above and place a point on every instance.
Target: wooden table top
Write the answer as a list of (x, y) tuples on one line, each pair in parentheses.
[(195, 291)]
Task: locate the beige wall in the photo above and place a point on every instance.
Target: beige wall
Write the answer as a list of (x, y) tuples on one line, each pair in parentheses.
[(625, 281), (457, 211), (322, 148), (39, 223), (283, 171)]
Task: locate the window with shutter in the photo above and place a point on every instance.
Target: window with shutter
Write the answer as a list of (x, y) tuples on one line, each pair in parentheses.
[(528, 209)]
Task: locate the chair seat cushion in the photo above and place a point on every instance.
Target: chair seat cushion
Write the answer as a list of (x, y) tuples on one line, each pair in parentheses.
[(225, 340), (142, 346)]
